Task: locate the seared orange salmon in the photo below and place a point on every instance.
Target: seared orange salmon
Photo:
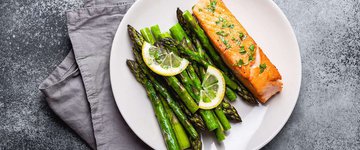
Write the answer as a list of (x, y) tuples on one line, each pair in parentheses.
[(239, 51)]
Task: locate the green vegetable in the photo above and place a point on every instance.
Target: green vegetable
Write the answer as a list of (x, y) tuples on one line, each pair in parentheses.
[(195, 118), (160, 112), (146, 33), (196, 144), (241, 35), (221, 19), (212, 6), (230, 112), (219, 132), (252, 47), (226, 43), (251, 58), (180, 134), (222, 118), (176, 85), (179, 33), (231, 26), (180, 114), (262, 67), (240, 63), (135, 37), (155, 30), (230, 94), (242, 50), (222, 33), (165, 35), (177, 108)]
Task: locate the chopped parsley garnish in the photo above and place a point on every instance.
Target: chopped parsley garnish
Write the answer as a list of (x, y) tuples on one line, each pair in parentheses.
[(233, 39), (231, 26), (241, 35), (212, 6), (251, 58), (242, 47), (224, 22), (242, 50), (236, 41), (200, 10), (252, 47), (240, 63), (226, 25), (251, 52), (262, 67), (222, 33), (226, 43), (220, 20)]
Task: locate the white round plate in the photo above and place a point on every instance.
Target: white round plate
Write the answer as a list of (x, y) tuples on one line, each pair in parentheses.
[(266, 24)]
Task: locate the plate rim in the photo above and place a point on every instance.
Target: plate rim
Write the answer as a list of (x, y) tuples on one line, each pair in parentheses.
[(279, 128)]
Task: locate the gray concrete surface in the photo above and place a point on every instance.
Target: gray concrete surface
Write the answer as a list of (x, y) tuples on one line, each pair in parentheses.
[(33, 41)]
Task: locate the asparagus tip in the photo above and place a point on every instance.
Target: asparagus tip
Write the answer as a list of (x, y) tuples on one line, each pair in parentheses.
[(179, 11)]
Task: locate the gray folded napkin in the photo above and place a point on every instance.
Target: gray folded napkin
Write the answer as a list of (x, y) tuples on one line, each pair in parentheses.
[(79, 90)]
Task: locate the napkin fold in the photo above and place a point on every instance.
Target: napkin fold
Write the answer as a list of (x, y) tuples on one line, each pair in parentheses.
[(79, 89)]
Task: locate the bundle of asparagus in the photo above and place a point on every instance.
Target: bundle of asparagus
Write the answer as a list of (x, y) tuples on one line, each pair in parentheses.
[(175, 99)]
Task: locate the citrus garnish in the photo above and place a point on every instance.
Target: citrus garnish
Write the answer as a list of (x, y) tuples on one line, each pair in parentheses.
[(213, 89)]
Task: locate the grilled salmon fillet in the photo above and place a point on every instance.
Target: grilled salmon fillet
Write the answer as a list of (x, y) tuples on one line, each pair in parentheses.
[(239, 51)]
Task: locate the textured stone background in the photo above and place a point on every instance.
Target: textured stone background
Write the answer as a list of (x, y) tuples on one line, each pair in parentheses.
[(33, 41)]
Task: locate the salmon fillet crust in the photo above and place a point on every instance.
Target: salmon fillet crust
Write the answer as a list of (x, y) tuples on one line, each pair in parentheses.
[(238, 49)]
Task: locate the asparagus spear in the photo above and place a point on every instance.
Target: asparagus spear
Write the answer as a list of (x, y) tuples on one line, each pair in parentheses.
[(183, 76), (155, 30), (165, 35), (176, 107), (230, 111), (179, 34), (219, 132), (230, 94), (165, 93), (195, 27), (195, 118), (180, 134), (194, 77), (202, 72), (205, 114), (222, 118), (187, 82), (148, 37), (135, 36), (162, 118), (184, 95), (196, 144), (138, 40), (191, 35)]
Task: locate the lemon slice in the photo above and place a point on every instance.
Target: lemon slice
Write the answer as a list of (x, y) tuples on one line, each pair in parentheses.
[(213, 89), (163, 62)]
